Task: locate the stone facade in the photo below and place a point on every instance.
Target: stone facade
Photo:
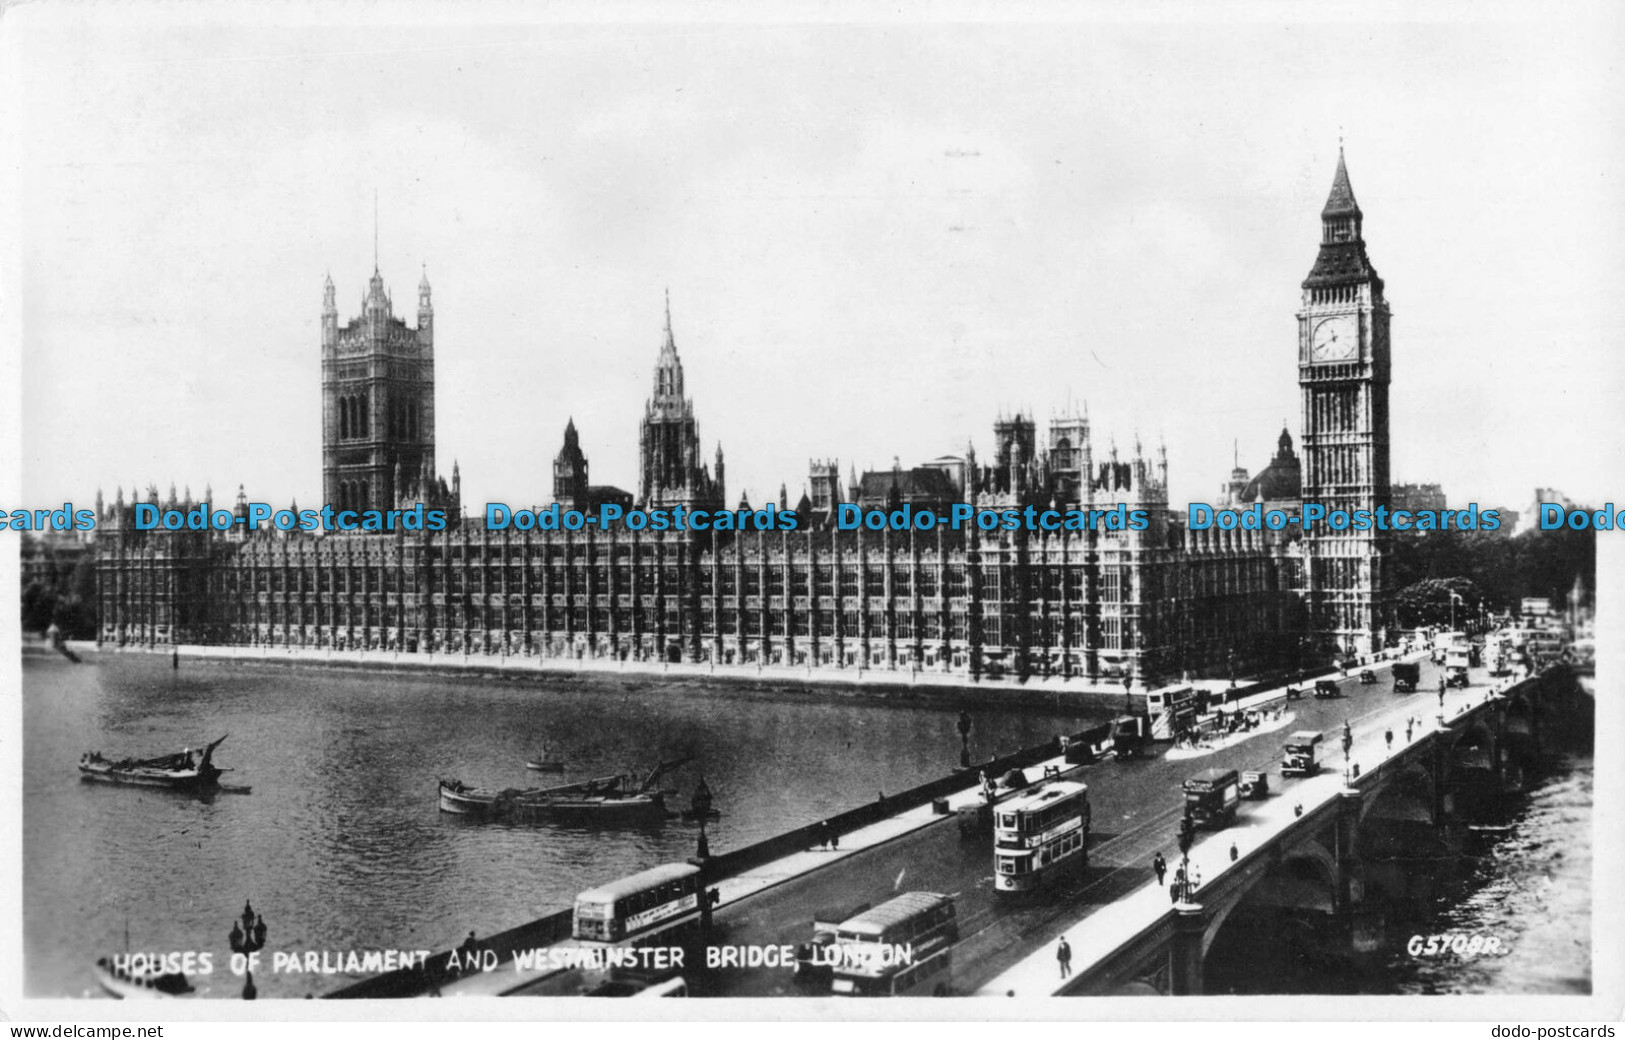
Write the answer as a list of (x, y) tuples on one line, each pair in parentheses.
[(1130, 607)]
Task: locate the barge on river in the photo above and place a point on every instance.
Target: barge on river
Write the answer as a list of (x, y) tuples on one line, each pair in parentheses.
[(617, 797), (180, 772)]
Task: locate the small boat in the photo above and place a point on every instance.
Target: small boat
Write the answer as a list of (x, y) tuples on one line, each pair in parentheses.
[(543, 764), (179, 772), (699, 806), (139, 982)]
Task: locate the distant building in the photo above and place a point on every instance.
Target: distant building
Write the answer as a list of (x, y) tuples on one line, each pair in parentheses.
[(1418, 497), (1529, 518)]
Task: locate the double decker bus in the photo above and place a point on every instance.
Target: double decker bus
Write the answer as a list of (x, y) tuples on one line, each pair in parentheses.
[(653, 902), (902, 945), (1034, 835), (614, 948)]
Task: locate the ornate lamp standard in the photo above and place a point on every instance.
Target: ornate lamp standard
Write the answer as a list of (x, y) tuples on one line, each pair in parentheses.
[(1186, 838), (248, 937), (700, 806)]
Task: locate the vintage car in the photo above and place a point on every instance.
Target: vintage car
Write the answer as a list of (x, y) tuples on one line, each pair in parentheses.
[(1325, 689), (1367, 677), (1255, 785)]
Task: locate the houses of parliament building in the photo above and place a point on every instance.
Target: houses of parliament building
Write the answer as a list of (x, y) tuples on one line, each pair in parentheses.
[(1108, 607)]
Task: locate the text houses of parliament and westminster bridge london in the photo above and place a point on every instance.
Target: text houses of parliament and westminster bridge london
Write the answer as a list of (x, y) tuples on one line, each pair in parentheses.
[(1116, 791)]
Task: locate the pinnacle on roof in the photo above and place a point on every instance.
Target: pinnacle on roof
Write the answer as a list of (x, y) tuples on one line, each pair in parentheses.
[(1341, 201), (423, 284), (671, 344)]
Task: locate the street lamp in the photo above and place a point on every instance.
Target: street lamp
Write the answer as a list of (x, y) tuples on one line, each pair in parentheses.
[(700, 805), (1186, 838), (248, 937)]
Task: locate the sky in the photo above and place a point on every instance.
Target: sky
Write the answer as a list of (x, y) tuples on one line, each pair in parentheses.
[(877, 235)]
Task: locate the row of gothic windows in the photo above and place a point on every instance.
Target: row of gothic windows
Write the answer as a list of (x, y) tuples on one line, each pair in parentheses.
[(355, 416), (352, 494), (402, 419)]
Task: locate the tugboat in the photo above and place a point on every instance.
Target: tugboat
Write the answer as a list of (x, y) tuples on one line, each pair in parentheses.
[(184, 771)]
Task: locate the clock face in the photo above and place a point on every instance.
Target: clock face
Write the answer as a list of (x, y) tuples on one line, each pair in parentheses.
[(1336, 339)]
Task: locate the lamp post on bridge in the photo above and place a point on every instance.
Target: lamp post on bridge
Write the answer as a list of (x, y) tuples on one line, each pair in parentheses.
[(248, 937), (700, 806), (1186, 838)]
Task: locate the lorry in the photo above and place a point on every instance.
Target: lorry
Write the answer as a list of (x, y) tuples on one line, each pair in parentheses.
[(1211, 798), (1407, 674), (1298, 754)]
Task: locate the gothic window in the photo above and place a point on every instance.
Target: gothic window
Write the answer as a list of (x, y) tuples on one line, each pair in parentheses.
[(875, 580), (928, 581)]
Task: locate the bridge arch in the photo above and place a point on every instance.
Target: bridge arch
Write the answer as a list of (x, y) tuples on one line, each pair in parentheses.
[(1303, 877), (1475, 769)]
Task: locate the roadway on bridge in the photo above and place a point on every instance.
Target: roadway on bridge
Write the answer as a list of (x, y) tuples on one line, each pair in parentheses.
[(1137, 805)]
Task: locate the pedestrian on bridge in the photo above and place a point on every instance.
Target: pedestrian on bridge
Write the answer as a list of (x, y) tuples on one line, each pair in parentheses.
[(1159, 865), (1389, 737), (1063, 956), (1408, 728)]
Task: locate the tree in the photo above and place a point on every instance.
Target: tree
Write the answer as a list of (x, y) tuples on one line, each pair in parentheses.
[(39, 607), (1428, 602)]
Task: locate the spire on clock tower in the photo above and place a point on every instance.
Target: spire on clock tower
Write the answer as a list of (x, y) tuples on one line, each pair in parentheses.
[(1341, 201), (1342, 260)]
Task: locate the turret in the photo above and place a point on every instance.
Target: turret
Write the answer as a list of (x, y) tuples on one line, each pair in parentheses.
[(425, 311), (330, 316)]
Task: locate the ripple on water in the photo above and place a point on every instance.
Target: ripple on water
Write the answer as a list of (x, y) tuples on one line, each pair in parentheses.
[(341, 845)]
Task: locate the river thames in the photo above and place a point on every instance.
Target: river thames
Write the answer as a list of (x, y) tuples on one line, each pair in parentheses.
[(341, 844)]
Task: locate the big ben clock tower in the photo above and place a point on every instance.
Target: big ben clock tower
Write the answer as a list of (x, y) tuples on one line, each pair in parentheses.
[(1343, 372)]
